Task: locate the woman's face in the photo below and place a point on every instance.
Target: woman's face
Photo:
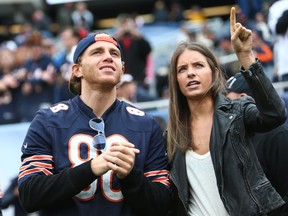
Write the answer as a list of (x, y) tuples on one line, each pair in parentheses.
[(194, 74)]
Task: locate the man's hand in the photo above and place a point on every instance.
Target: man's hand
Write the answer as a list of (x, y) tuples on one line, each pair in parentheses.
[(121, 158), (99, 165)]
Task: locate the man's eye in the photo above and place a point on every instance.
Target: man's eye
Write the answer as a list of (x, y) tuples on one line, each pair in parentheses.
[(115, 54)]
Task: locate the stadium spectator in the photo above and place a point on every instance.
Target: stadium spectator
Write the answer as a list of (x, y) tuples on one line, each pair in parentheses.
[(25, 33), (68, 170), (176, 13), (215, 170), (250, 7), (136, 49), (128, 90), (64, 15), (278, 24), (83, 18), (9, 87), (11, 198), (195, 14), (160, 12), (261, 25), (38, 87), (225, 49), (41, 22), (69, 37), (263, 52)]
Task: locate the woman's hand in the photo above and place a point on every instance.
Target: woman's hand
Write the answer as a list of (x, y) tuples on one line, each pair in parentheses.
[(241, 39)]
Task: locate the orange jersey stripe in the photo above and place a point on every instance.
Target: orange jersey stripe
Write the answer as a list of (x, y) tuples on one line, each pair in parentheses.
[(35, 170), (37, 164), (40, 164), (157, 172), (38, 157), (167, 183)]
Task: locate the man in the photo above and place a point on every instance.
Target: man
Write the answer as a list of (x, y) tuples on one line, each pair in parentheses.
[(94, 154), (37, 88), (129, 91), (11, 198), (271, 147), (69, 38), (136, 49), (82, 17)]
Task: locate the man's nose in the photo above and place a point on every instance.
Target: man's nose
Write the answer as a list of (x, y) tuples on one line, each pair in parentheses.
[(108, 56)]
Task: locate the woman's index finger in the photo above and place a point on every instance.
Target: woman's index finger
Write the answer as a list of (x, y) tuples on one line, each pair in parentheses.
[(232, 19)]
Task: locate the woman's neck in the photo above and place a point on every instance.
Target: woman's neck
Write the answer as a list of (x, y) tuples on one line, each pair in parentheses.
[(201, 108)]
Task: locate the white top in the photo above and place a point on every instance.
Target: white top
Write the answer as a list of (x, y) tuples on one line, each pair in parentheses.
[(205, 199)]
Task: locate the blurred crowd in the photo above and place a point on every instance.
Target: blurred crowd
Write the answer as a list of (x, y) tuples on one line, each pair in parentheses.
[(35, 64)]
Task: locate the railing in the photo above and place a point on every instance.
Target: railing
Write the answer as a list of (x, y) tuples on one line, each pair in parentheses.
[(157, 104)]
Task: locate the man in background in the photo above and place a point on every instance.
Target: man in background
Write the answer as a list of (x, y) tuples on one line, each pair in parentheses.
[(136, 49), (128, 90), (11, 198)]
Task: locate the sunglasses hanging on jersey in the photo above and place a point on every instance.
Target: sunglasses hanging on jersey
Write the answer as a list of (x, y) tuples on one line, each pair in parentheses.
[(99, 140)]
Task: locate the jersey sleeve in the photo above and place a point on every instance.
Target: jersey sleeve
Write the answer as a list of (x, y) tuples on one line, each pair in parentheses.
[(36, 150), (40, 187)]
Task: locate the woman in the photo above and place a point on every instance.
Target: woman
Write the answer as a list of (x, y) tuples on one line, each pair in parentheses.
[(215, 170)]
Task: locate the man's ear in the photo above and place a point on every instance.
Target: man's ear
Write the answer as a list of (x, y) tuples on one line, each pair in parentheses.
[(76, 71), (243, 94), (123, 67)]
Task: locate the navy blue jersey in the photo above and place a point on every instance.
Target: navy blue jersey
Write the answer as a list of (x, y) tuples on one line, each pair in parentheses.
[(60, 138)]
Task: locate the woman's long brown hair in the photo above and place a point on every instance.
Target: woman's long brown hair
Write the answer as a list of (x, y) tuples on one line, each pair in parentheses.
[(179, 135)]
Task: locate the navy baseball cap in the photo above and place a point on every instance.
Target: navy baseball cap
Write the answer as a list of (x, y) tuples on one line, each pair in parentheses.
[(75, 82), (92, 38), (238, 84)]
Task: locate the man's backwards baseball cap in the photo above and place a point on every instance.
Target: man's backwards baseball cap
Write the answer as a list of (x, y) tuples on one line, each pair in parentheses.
[(238, 84), (75, 82)]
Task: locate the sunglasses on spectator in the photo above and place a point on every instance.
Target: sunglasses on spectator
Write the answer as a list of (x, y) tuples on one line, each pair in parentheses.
[(99, 140)]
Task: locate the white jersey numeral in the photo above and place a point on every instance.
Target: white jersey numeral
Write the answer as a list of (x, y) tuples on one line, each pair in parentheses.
[(75, 144)]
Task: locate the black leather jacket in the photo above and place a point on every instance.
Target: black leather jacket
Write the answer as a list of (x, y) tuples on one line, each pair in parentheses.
[(242, 184)]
